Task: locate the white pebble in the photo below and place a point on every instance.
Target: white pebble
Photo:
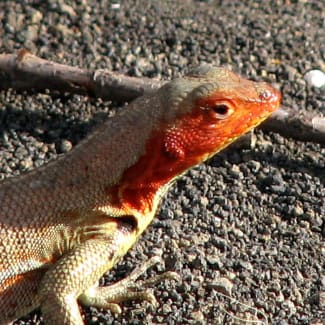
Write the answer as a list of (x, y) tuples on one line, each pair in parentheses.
[(315, 78), (116, 6)]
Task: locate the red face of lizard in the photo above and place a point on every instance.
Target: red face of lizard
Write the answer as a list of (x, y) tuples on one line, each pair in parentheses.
[(219, 118), (213, 111)]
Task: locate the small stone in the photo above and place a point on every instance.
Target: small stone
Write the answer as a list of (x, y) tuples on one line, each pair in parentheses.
[(64, 30), (254, 165), (65, 146), (199, 262), (245, 265), (223, 285), (143, 64), (279, 298), (166, 309), (31, 33), (298, 211), (299, 276), (130, 58), (275, 286), (27, 163), (213, 259), (115, 6), (36, 17), (204, 201), (235, 172), (237, 232), (290, 306), (191, 257), (185, 243), (67, 9), (197, 315), (292, 72), (315, 78)]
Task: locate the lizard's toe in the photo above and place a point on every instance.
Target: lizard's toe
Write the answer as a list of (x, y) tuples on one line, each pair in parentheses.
[(127, 289)]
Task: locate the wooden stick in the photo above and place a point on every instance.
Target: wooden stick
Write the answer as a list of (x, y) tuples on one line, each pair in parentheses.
[(27, 71)]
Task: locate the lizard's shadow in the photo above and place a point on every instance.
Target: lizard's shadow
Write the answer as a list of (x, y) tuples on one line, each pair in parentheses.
[(282, 188), (50, 125), (291, 164), (284, 161)]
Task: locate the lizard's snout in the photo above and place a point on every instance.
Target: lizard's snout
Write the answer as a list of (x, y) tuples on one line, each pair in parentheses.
[(268, 94)]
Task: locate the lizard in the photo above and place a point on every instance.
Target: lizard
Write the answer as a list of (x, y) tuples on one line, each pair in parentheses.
[(66, 223)]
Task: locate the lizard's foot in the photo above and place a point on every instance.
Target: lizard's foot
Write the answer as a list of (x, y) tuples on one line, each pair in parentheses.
[(126, 289)]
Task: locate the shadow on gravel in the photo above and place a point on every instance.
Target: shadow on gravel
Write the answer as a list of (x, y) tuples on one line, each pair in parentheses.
[(281, 161), (46, 127)]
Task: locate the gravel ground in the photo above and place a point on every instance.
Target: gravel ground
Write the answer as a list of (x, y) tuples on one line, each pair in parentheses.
[(248, 224)]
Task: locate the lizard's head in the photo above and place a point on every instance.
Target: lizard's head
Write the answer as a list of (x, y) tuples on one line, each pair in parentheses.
[(210, 108), (198, 116)]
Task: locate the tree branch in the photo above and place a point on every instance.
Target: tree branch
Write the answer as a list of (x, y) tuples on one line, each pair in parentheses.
[(297, 125), (26, 71)]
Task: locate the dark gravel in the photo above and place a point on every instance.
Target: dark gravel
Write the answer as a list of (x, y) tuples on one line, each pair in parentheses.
[(249, 224)]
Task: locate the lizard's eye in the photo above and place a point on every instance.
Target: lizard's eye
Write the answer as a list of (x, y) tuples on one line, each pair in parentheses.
[(221, 111)]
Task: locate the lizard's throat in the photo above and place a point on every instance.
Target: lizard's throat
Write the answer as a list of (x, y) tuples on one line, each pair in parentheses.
[(143, 184)]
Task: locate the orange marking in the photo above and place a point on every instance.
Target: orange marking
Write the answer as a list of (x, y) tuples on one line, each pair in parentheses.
[(15, 291), (15, 281)]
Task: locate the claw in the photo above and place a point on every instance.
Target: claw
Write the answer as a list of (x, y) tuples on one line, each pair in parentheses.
[(127, 289), (169, 275), (114, 308)]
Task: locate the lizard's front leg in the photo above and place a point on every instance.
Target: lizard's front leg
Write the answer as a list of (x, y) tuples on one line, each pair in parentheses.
[(71, 276)]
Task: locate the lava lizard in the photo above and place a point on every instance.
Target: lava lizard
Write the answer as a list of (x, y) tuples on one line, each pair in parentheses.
[(63, 225)]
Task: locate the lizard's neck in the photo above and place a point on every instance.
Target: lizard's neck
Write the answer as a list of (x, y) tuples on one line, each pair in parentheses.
[(143, 184)]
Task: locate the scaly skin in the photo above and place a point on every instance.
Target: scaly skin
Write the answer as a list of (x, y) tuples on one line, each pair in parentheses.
[(63, 225)]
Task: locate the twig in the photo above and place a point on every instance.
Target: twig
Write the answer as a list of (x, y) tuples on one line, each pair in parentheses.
[(242, 320), (27, 71), (297, 125)]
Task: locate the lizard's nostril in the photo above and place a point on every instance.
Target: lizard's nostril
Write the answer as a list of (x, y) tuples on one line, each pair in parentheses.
[(265, 95), (269, 94)]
